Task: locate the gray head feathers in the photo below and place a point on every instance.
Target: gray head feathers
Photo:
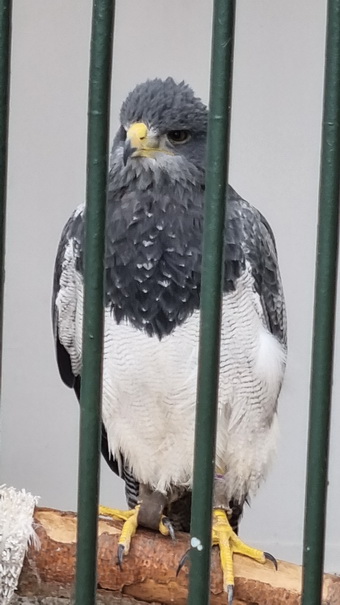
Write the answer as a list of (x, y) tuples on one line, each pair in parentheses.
[(165, 105)]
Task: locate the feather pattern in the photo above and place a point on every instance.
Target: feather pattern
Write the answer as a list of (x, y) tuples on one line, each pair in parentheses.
[(151, 382), (152, 293)]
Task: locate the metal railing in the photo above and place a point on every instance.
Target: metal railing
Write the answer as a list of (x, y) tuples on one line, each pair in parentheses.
[(324, 315), (211, 295), (5, 57), (212, 269), (93, 319)]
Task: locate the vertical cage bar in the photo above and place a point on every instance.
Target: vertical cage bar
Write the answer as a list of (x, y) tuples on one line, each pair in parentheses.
[(324, 314), (5, 59), (211, 296), (90, 401)]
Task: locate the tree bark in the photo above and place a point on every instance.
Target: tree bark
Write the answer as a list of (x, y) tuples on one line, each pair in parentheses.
[(149, 572)]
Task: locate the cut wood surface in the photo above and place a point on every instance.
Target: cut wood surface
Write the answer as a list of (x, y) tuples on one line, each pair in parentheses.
[(149, 573)]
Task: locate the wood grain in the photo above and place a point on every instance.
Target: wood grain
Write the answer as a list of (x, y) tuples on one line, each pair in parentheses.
[(149, 573)]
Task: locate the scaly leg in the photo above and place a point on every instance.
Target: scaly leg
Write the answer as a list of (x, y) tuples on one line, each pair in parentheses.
[(228, 542), (130, 518)]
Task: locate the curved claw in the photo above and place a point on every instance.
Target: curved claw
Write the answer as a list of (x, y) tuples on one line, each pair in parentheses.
[(183, 561), (167, 523), (230, 593), (270, 557), (120, 556)]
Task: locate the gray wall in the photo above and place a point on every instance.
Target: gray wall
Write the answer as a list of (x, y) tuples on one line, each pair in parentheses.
[(274, 164)]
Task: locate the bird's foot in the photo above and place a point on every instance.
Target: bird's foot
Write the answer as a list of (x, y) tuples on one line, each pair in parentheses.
[(130, 518), (229, 543)]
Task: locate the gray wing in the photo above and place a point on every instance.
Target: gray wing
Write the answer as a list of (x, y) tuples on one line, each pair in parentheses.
[(65, 298), (67, 302), (249, 237)]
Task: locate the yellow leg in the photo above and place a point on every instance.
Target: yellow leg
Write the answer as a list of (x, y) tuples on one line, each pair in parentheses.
[(114, 513), (130, 518), (124, 515), (228, 542)]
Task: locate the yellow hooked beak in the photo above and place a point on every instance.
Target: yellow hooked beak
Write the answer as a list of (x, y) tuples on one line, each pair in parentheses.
[(141, 142)]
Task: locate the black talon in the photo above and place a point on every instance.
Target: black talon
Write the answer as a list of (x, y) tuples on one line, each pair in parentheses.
[(183, 561), (167, 523), (120, 556), (230, 593), (270, 557)]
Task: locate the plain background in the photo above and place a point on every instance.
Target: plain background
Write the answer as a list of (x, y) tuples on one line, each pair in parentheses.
[(275, 150)]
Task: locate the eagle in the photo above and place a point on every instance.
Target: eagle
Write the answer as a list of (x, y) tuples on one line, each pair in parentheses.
[(153, 254)]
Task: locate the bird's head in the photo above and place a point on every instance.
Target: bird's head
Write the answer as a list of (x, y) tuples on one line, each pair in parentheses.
[(163, 125)]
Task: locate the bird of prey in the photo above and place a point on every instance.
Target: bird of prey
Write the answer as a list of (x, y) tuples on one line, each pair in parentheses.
[(152, 299)]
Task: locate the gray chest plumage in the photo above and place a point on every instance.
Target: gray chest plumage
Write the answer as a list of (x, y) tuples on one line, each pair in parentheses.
[(153, 260), (153, 254)]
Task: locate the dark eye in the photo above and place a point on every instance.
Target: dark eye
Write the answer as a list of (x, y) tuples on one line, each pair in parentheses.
[(178, 136)]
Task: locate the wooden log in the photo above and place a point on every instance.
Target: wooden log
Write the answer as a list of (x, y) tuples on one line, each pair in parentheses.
[(149, 572)]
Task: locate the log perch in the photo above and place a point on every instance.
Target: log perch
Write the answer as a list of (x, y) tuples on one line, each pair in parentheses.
[(149, 573)]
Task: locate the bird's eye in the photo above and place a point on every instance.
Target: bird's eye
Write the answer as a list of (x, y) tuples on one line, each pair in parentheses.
[(178, 136)]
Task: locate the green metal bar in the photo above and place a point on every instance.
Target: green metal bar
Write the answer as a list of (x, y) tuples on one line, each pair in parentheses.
[(90, 402), (324, 314), (211, 297), (5, 60)]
